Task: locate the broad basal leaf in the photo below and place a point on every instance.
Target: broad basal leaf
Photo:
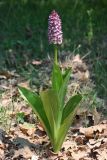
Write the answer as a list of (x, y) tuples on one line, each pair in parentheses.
[(70, 106), (67, 119), (34, 100), (51, 107)]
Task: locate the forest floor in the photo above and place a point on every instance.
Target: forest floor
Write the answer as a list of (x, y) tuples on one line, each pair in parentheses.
[(22, 136)]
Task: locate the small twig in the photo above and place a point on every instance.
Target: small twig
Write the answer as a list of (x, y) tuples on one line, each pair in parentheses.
[(85, 55), (12, 106)]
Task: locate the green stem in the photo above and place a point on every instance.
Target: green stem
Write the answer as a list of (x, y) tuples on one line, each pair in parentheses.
[(56, 54)]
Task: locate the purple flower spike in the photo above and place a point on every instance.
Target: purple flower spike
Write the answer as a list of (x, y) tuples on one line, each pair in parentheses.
[(54, 28)]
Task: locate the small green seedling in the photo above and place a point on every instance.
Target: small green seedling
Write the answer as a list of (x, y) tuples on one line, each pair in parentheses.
[(20, 117)]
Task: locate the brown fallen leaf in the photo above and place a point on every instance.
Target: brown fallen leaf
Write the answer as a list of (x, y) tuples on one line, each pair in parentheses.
[(27, 128), (26, 110), (102, 154), (35, 157), (1, 154), (79, 140), (36, 62), (97, 144), (69, 144), (24, 152), (77, 59), (80, 155), (6, 74), (40, 133), (25, 84), (6, 101), (97, 116), (91, 131), (2, 146), (40, 127), (78, 64)]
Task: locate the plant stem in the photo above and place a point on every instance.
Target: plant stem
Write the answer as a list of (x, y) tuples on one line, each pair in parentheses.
[(55, 54)]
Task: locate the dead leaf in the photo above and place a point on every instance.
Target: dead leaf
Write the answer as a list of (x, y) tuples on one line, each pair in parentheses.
[(40, 127), (94, 144), (2, 146), (102, 154), (91, 131), (6, 74), (36, 62), (97, 116), (69, 144), (25, 84), (27, 128), (6, 101), (40, 133), (79, 140), (1, 154), (25, 152), (79, 155), (78, 64), (34, 157), (82, 76)]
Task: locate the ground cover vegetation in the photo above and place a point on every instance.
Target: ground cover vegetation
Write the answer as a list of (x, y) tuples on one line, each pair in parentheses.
[(26, 60)]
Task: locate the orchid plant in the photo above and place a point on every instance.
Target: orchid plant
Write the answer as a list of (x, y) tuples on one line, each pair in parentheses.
[(55, 115)]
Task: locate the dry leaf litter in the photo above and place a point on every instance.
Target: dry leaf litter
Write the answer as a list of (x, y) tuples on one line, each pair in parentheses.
[(86, 139)]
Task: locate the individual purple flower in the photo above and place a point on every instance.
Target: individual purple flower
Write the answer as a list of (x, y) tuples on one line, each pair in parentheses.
[(54, 28)]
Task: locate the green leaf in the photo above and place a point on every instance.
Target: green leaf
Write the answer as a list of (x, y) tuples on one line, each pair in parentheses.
[(70, 106), (57, 78), (34, 100), (61, 134), (68, 116), (63, 88), (52, 108)]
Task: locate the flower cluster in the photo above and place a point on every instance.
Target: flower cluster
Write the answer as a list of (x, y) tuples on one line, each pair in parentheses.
[(54, 28)]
